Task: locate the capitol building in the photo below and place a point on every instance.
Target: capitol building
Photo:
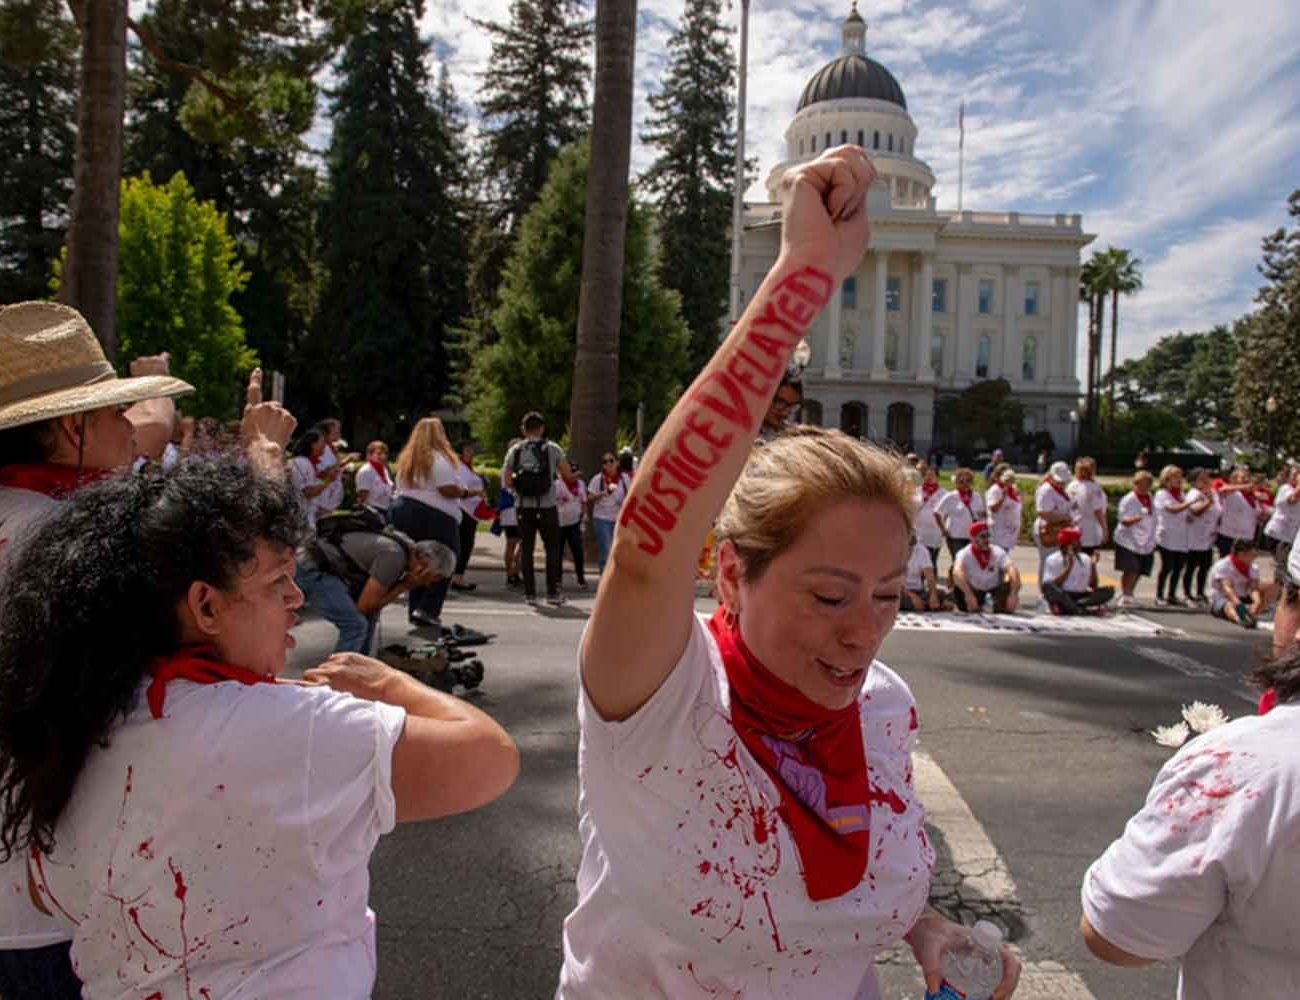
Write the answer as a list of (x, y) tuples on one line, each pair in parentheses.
[(941, 300)]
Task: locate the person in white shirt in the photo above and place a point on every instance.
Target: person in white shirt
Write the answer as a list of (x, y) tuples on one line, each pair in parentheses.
[(1202, 528), (331, 498), (197, 827), (571, 505), (66, 420), (1282, 528), (1172, 530), (1236, 591), (427, 507), (1135, 537), (1241, 515), (1286, 625), (309, 475), (929, 525), (719, 857), (606, 493), (1055, 510), (921, 590), (1206, 873), (471, 508), (982, 571), (958, 510), (1070, 577), (374, 481), (1089, 501), (1004, 507)]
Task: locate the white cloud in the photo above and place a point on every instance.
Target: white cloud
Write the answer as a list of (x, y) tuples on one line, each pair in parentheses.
[(1172, 125)]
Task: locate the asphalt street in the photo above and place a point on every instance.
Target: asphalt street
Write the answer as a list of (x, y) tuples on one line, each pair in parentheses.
[(1044, 737)]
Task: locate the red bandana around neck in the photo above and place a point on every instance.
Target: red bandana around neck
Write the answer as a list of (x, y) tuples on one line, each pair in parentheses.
[(55, 481), (1011, 492), (199, 664), (966, 497), (381, 468), (1239, 566), (1145, 501), (1248, 496), (816, 757), (981, 556), (1176, 494), (1058, 487), (928, 490), (612, 478)]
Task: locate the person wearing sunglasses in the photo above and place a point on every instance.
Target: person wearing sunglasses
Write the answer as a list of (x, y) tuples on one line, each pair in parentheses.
[(606, 493)]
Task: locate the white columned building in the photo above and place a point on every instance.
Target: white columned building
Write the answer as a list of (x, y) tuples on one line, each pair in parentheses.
[(941, 300)]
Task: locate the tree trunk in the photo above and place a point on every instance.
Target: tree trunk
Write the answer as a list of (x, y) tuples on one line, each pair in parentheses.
[(593, 413), (1114, 341), (89, 281)]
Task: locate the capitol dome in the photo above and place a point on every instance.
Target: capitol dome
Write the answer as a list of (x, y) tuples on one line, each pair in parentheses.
[(855, 100), (852, 73)]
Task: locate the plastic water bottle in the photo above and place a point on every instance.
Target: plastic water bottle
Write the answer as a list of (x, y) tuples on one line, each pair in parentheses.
[(972, 971)]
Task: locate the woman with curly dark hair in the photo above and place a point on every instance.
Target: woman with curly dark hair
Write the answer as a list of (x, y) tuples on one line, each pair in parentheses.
[(200, 827)]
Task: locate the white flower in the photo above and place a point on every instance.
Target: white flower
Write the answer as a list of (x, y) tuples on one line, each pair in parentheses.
[(1171, 736), (1202, 717)]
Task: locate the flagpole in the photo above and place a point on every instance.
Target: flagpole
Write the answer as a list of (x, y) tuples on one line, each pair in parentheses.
[(738, 206), (961, 154)]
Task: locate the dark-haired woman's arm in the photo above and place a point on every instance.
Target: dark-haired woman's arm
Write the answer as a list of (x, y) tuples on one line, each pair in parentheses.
[(642, 618)]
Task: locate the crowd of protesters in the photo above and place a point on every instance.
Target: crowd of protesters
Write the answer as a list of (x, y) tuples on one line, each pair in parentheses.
[(197, 825)]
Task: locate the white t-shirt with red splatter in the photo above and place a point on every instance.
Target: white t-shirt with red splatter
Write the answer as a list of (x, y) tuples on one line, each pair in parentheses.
[(222, 850), (21, 924), (690, 884), (1208, 871)]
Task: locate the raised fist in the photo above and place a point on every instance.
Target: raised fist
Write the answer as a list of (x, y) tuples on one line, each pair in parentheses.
[(824, 206)]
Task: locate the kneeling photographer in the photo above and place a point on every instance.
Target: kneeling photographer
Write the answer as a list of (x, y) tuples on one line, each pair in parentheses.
[(356, 564)]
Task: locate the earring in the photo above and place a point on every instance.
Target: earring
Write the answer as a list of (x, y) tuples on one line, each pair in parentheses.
[(731, 616)]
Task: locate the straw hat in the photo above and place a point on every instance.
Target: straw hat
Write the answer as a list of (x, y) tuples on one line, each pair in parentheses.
[(52, 365)]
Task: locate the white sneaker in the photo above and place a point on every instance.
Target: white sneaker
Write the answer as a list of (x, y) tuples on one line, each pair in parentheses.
[(1127, 602), (1161, 602)]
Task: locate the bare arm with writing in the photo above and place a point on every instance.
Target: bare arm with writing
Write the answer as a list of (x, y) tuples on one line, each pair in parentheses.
[(700, 450)]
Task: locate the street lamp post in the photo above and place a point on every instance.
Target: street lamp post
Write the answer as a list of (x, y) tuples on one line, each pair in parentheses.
[(738, 206), (1270, 407)]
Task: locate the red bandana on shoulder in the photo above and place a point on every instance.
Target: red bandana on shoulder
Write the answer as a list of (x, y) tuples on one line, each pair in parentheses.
[(816, 757), (199, 664), (381, 469), (55, 481)]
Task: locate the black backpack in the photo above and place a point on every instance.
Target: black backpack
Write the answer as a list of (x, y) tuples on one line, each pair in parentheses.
[(327, 547), (532, 469)]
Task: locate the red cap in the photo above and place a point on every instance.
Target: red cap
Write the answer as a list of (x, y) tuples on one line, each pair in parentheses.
[(977, 527), (1067, 536)]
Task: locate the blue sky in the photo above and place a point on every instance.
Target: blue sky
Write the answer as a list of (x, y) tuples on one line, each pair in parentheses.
[(1173, 127)]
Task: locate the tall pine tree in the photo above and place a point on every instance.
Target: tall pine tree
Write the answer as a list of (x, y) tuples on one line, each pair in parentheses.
[(38, 98), (692, 175), (531, 366), (534, 98), (1268, 344), (393, 229)]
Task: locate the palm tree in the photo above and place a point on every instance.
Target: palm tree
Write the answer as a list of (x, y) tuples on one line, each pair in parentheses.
[(89, 274), (1123, 277), (593, 408), (1092, 290)]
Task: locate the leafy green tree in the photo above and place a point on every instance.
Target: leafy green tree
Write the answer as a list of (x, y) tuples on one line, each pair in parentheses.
[(531, 365), (178, 273), (247, 162), (1268, 344), (1188, 374), (692, 175), (393, 230), (983, 415), (534, 98), (1147, 427), (38, 94), (237, 97)]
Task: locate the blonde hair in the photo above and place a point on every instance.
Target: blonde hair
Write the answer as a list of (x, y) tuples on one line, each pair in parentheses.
[(998, 469), (1143, 477), (415, 463), (1168, 473), (373, 445), (804, 470), (1085, 464)]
